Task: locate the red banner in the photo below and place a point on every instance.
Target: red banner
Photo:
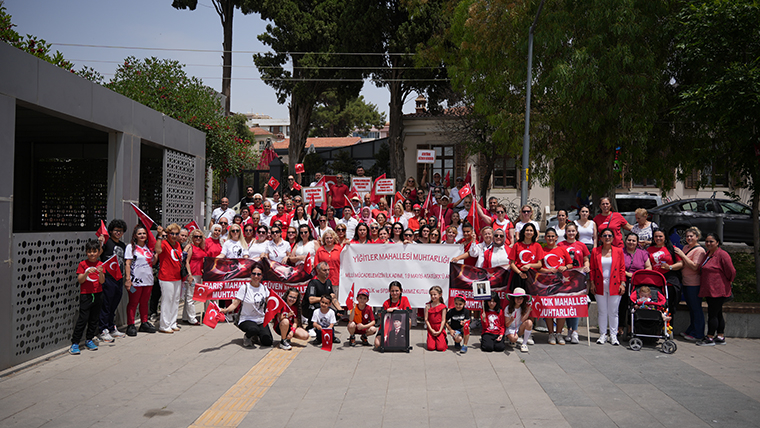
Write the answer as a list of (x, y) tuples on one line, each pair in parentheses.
[(461, 278), (223, 277), (560, 306)]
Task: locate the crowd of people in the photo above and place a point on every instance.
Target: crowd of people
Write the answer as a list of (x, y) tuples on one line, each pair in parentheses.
[(289, 230)]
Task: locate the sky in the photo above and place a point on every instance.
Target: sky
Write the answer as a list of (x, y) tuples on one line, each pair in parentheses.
[(155, 24)]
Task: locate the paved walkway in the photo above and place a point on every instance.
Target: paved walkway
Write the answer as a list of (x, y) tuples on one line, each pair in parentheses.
[(204, 377)]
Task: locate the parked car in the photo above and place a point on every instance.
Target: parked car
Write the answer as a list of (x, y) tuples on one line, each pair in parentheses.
[(675, 217), (627, 204)]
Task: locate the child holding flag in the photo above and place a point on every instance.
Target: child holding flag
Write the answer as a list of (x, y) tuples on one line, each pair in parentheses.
[(361, 319), (90, 275), (112, 287), (289, 319)]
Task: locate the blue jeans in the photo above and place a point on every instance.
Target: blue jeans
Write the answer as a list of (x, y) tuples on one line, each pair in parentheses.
[(572, 324), (696, 316)]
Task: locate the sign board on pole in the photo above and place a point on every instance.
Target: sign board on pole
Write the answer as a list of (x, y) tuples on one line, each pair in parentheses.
[(425, 156), (385, 186), (362, 184), (317, 191)]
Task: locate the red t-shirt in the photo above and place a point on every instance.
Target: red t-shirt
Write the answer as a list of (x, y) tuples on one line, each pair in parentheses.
[(556, 257), (577, 251), (363, 316), (469, 261), (290, 313), (332, 258), (613, 221), (494, 322), (171, 261), (92, 283), (337, 191), (526, 254), (403, 303), (284, 219), (213, 248), (659, 255), (196, 261), (505, 227)]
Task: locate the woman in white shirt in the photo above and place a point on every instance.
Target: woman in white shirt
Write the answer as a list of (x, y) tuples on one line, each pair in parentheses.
[(586, 229), (234, 247), (277, 248), (260, 246), (304, 246), (300, 218)]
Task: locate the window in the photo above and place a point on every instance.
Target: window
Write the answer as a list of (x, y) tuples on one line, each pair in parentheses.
[(735, 208), (448, 160), (710, 176), (645, 182), (505, 173)]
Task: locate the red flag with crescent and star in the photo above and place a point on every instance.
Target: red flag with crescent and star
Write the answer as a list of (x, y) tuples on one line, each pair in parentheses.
[(350, 299), (448, 179), (375, 198), (148, 223), (201, 293), (274, 305), (192, 226), (273, 183), (327, 339), (112, 267), (102, 231), (465, 190), (212, 315), (299, 168)]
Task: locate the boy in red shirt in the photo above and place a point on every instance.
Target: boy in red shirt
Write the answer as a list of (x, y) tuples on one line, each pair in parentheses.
[(90, 275), (361, 319)]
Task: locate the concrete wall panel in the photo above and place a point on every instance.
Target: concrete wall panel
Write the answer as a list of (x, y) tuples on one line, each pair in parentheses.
[(18, 73), (64, 92)]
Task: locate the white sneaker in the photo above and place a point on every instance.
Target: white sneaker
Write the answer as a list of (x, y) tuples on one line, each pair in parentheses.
[(520, 340), (614, 340), (105, 336), (531, 342), (312, 333), (560, 339), (569, 337), (247, 343), (523, 348), (552, 339), (116, 333), (602, 340), (574, 338)]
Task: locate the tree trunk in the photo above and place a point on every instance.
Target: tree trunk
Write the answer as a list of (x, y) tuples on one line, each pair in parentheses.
[(395, 132), (300, 120), (756, 227), (228, 10)]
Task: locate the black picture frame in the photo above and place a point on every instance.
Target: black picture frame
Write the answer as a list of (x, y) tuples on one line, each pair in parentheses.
[(481, 290), (391, 338)]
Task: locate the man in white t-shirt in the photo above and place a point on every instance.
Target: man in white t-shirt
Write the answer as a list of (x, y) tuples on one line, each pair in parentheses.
[(464, 212), (223, 211), (349, 221)]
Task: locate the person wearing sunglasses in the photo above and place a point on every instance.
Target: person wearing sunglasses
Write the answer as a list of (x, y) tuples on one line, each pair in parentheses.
[(253, 298), (526, 216), (291, 236), (277, 248), (249, 234), (235, 247), (329, 253), (322, 226), (304, 246), (196, 253), (214, 242), (340, 231), (169, 255), (260, 248), (499, 221), (408, 236), (607, 280), (374, 231)]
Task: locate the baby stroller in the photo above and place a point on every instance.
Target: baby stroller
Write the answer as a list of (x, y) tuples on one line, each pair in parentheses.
[(647, 322)]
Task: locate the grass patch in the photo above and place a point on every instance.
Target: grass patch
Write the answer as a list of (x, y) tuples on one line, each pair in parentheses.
[(745, 284)]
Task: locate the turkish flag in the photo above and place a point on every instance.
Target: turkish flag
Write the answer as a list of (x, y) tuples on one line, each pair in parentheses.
[(448, 179), (398, 197), (102, 231), (312, 205), (426, 206), (466, 327), (201, 293), (274, 305), (314, 233), (307, 264), (211, 317), (465, 190), (468, 177), (112, 267), (474, 218), (273, 183), (148, 223), (296, 186), (327, 339), (192, 226), (323, 182), (350, 299), (299, 168), (267, 156), (374, 197)]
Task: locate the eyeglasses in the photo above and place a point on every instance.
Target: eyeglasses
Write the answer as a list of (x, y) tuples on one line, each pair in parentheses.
[(249, 231), (197, 237), (223, 224), (340, 229), (275, 231), (607, 235), (231, 231), (499, 212), (374, 228), (256, 274), (527, 211), (172, 233), (291, 233), (261, 232), (407, 235), (322, 221)]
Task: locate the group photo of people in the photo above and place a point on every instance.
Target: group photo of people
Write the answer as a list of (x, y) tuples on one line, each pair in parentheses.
[(158, 275)]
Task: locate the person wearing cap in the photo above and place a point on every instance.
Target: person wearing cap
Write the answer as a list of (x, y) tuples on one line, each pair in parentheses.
[(457, 324), (517, 319), (455, 191), (356, 203), (361, 319)]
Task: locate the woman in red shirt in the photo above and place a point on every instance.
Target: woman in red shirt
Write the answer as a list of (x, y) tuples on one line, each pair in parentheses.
[(169, 255), (214, 243), (526, 254), (396, 301), (664, 259), (196, 252), (329, 252), (607, 279), (556, 259), (718, 273), (609, 219)]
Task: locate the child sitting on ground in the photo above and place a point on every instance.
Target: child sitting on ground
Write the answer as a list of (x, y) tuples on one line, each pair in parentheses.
[(492, 338), (90, 275), (457, 324), (324, 318), (517, 318), (361, 319), (643, 299)]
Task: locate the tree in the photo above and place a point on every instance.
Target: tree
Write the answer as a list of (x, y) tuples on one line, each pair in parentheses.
[(406, 27), (323, 40), (717, 70), (344, 163), (382, 161), (163, 85), (333, 117), (226, 11)]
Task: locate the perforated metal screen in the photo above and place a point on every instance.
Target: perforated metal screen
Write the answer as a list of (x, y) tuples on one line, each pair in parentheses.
[(179, 187), (45, 292)]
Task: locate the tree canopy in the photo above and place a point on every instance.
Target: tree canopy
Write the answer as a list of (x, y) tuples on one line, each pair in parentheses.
[(333, 117)]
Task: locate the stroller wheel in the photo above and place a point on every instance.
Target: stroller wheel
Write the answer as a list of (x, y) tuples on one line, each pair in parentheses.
[(635, 344), (669, 347)]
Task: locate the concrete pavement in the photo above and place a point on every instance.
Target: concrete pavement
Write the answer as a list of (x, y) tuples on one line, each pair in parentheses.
[(182, 379)]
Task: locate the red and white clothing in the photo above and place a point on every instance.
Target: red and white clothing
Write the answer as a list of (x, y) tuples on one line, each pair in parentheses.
[(277, 252), (657, 255), (613, 221), (505, 226), (332, 258), (142, 265), (494, 322), (523, 254), (494, 256), (556, 257), (171, 262), (290, 314), (92, 283), (213, 247), (470, 261), (577, 251), (284, 219), (401, 219), (403, 303)]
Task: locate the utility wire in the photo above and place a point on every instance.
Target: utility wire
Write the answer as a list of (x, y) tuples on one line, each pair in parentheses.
[(234, 52), (272, 66)]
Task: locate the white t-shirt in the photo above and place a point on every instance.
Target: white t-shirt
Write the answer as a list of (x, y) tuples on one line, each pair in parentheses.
[(350, 224), (606, 272), (253, 306), (302, 250), (517, 314), (233, 250), (298, 223), (255, 249), (519, 225), (586, 234), (560, 233), (141, 269), (266, 218), (277, 252), (229, 213), (454, 194), (324, 320)]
